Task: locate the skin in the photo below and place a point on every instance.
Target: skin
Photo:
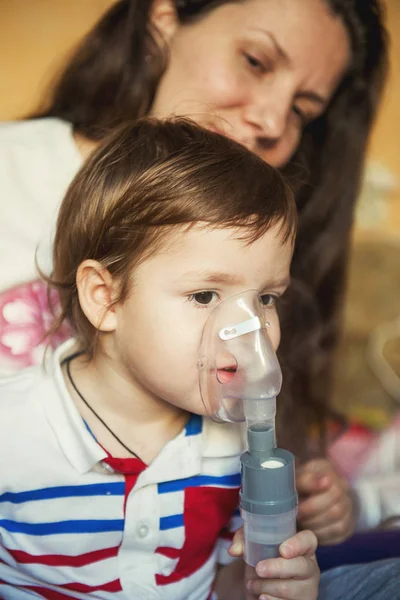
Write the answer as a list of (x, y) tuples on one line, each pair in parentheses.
[(293, 576), (327, 506), (263, 71), (140, 356)]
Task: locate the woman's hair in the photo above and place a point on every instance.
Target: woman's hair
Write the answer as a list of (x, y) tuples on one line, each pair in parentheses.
[(333, 148), (113, 77), (147, 179)]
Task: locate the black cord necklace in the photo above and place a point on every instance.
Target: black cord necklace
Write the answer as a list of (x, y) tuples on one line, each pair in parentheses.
[(67, 361)]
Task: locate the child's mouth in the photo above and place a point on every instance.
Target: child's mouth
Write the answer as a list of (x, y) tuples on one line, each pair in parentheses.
[(225, 374)]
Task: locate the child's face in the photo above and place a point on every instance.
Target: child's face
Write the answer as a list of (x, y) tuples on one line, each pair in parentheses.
[(158, 328)]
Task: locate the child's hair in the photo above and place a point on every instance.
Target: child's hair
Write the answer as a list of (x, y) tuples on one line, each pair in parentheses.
[(146, 179)]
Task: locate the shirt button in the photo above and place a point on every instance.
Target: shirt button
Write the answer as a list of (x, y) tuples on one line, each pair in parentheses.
[(142, 531)]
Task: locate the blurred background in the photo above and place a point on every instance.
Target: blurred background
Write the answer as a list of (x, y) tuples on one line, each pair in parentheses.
[(37, 36)]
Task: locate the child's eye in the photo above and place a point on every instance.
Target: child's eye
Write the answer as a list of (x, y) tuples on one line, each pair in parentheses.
[(203, 298), (268, 299)]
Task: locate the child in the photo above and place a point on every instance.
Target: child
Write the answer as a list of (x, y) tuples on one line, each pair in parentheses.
[(115, 484)]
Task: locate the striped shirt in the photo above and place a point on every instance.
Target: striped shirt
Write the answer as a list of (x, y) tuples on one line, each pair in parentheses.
[(78, 523)]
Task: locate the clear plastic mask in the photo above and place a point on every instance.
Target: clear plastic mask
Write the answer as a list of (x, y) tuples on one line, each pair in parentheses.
[(239, 372)]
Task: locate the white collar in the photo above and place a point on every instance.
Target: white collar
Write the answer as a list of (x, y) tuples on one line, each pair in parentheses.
[(185, 452)]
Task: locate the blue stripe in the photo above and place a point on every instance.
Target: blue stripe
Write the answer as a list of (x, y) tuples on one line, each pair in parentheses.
[(89, 430), (194, 426), (92, 526), (66, 491), (171, 522), (199, 480), (237, 513)]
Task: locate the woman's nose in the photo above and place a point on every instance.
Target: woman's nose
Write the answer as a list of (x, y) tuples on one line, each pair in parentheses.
[(268, 115), (269, 124)]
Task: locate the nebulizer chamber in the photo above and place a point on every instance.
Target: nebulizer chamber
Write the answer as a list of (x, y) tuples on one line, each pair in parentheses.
[(240, 378)]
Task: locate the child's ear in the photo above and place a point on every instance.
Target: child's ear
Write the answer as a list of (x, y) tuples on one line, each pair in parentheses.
[(96, 292)]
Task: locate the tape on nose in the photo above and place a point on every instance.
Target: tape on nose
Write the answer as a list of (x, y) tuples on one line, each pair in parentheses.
[(248, 326)]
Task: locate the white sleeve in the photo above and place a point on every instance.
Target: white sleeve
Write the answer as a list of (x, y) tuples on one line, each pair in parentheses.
[(379, 499)]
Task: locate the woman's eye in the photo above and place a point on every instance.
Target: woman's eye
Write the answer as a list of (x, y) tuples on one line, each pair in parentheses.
[(268, 299), (203, 298), (254, 62), (304, 119)]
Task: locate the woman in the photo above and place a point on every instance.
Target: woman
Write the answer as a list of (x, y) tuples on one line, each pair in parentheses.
[(296, 82)]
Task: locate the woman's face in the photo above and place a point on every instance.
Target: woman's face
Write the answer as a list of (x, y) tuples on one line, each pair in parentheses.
[(257, 71)]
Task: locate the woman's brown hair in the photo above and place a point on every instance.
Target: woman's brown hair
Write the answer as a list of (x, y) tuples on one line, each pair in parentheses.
[(113, 78), (147, 178)]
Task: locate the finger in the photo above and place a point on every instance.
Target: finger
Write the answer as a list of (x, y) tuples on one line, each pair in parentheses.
[(314, 476), (317, 465), (317, 484), (340, 511), (237, 546), (292, 589), (299, 567), (319, 503), (311, 483), (303, 543), (334, 534)]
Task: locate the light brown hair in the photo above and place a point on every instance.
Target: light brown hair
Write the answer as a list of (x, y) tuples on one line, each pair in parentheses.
[(147, 178)]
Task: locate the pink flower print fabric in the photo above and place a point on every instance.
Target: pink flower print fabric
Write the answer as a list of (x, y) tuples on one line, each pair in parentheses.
[(25, 318)]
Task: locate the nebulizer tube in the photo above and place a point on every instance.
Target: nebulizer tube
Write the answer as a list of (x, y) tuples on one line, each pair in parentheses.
[(240, 378), (268, 498)]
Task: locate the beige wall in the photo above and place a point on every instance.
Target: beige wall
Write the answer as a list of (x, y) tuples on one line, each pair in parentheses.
[(385, 143), (37, 35)]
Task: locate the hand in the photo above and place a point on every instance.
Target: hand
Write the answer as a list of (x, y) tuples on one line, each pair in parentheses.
[(326, 504), (293, 576)]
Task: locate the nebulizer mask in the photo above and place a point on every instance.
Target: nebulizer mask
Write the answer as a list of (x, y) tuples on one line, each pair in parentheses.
[(240, 378)]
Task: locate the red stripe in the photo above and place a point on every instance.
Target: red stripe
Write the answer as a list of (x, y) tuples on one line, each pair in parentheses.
[(169, 552), (127, 466), (49, 594), (130, 482), (207, 511), (111, 586), (46, 593), (63, 560)]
